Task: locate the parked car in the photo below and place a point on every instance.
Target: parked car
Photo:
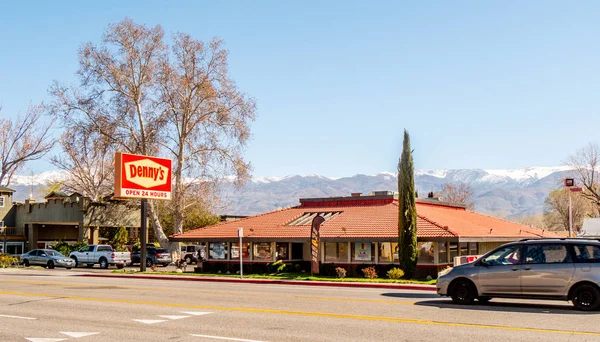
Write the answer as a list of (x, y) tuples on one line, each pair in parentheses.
[(47, 258), (556, 269), (192, 253), (154, 256), (104, 255)]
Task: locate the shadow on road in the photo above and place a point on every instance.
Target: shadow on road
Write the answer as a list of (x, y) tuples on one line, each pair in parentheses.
[(507, 307)]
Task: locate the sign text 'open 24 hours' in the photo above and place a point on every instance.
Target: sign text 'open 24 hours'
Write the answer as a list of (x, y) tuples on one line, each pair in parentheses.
[(138, 176)]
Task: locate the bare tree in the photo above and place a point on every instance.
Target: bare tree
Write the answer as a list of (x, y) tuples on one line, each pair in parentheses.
[(556, 213), (88, 160), (144, 98), (585, 162), (207, 117), (457, 193), (25, 139)]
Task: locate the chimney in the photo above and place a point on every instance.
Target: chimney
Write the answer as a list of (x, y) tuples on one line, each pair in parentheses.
[(356, 194), (430, 194)]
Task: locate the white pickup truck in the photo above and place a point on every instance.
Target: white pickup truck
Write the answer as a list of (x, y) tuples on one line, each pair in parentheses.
[(102, 255)]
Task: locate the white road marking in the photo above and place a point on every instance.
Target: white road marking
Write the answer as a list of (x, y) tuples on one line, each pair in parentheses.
[(34, 339), (150, 321), (19, 317), (173, 317), (78, 334), (226, 338), (193, 313)]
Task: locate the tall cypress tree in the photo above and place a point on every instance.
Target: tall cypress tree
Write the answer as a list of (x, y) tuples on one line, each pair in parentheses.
[(407, 213)]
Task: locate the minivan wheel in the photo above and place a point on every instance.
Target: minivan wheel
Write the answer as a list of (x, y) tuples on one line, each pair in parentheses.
[(188, 260), (463, 292), (586, 298)]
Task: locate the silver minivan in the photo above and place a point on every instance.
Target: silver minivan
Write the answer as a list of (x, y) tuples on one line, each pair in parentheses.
[(560, 269)]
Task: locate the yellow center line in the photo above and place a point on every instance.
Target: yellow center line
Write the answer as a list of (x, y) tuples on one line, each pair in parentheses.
[(308, 314), (30, 282)]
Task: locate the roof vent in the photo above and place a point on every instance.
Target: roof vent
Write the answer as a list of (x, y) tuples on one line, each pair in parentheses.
[(356, 194)]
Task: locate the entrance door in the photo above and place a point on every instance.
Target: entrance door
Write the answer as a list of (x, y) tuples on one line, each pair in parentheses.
[(500, 272)]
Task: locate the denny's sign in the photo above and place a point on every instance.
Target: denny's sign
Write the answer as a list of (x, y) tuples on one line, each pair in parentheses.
[(139, 176)]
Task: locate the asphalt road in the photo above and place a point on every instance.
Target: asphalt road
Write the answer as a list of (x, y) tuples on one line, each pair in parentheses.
[(58, 305)]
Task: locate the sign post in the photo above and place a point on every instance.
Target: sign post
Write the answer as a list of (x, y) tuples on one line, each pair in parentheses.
[(144, 177), (570, 184), (241, 234)]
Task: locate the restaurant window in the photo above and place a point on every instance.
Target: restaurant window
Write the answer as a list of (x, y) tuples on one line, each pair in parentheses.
[(14, 248), (442, 252), (336, 251), (262, 251), (235, 250), (388, 252), (1, 201), (473, 248), (282, 250), (218, 250), (464, 248), (363, 252), (297, 251), (426, 252), (453, 250)]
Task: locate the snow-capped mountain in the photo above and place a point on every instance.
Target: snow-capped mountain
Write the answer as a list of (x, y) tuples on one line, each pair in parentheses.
[(503, 193)]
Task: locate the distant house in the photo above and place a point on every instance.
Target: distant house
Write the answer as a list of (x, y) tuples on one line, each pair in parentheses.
[(358, 230), (10, 241)]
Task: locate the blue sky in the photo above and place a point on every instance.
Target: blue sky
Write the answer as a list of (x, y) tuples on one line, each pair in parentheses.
[(478, 84)]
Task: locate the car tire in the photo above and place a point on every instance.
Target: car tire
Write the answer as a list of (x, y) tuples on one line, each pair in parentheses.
[(26, 263), (484, 300), (463, 292), (68, 268), (586, 298), (50, 264), (103, 263), (188, 260), (75, 259)]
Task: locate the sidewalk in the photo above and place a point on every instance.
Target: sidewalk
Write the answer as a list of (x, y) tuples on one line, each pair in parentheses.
[(268, 281)]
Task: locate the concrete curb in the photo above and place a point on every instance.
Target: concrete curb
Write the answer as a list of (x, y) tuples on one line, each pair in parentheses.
[(271, 281)]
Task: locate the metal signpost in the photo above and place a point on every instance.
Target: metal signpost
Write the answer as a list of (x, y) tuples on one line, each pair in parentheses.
[(241, 234), (570, 184)]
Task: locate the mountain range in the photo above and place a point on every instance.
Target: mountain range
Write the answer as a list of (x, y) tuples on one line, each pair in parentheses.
[(502, 193)]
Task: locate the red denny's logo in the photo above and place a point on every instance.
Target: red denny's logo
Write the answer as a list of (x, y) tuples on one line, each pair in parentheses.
[(139, 176), (146, 173)]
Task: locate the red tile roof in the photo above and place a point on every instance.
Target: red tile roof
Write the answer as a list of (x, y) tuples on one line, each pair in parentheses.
[(360, 219)]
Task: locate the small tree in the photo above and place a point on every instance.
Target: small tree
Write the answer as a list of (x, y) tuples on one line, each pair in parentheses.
[(407, 213), (119, 241), (556, 214), (457, 193)]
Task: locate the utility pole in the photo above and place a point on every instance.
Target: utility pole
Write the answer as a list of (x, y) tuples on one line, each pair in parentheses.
[(241, 234), (570, 185)]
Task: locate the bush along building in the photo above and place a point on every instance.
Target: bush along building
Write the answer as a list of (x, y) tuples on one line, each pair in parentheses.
[(356, 231), (61, 217)]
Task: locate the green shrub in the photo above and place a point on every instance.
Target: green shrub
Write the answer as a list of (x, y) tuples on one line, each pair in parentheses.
[(7, 260), (341, 272), (370, 272), (395, 273)]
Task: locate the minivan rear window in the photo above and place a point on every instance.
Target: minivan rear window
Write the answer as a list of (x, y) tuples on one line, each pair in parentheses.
[(587, 253)]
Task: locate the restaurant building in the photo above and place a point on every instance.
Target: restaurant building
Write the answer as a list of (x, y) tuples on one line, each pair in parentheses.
[(358, 230)]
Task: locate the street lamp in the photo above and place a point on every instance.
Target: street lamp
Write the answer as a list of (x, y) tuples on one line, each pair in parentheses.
[(570, 184)]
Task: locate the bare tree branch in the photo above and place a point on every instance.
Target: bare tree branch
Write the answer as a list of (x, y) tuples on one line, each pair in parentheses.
[(25, 139)]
